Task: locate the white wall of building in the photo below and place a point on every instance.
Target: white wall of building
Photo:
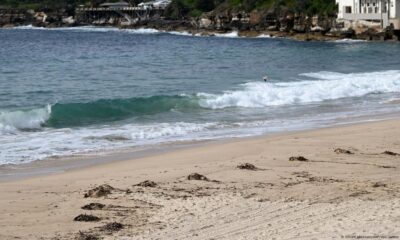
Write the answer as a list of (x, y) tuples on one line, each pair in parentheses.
[(385, 11), (342, 4)]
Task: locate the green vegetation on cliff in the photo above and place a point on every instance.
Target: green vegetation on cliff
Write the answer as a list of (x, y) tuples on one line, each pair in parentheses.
[(192, 8), (182, 8), (54, 4)]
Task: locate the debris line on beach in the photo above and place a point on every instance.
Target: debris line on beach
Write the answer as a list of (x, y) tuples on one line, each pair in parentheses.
[(100, 191), (146, 183), (86, 218), (298, 158), (86, 236), (342, 151), (197, 176), (93, 206), (390, 153), (113, 227), (247, 166)]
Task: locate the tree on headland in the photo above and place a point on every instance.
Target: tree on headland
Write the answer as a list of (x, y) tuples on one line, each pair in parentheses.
[(184, 8), (181, 8)]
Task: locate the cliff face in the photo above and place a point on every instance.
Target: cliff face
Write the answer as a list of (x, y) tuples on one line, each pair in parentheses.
[(282, 24), (19, 17), (14, 17)]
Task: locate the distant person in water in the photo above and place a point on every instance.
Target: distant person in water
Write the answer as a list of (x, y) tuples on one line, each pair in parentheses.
[(265, 78)]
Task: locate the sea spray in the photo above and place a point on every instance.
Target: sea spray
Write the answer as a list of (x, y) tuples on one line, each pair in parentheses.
[(324, 86)]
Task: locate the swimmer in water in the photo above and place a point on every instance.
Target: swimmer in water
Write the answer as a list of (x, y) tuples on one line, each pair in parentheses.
[(265, 78)]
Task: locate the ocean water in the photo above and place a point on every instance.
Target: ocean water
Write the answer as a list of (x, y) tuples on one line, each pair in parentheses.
[(89, 90)]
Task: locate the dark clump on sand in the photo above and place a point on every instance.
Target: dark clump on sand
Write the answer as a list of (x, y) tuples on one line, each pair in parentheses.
[(146, 183), (99, 191), (93, 206), (247, 166), (86, 236), (86, 218), (378, 184), (390, 153), (196, 176), (113, 227), (343, 151), (299, 158)]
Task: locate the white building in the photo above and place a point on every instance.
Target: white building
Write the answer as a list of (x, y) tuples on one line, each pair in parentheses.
[(385, 12)]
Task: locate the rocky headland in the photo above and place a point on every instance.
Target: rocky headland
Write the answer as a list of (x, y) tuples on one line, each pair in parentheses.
[(246, 24)]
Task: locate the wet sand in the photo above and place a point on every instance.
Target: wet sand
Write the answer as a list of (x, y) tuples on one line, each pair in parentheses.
[(345, 186)]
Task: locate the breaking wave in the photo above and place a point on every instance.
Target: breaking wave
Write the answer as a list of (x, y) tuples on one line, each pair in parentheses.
[(319, 86)]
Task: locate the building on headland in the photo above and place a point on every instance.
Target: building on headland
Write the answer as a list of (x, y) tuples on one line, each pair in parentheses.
[(382, 13)]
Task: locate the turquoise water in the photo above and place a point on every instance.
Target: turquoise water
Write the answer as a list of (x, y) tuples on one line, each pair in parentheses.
[(82, 90)]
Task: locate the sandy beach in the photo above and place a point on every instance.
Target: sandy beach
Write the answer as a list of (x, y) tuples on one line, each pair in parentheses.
[(335, 183)]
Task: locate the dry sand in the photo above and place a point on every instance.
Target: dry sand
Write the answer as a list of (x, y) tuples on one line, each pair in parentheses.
[(333, 195)]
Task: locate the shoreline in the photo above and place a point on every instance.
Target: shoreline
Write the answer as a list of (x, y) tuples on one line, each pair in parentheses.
[(60, 164), (302, 37), (331, 194)]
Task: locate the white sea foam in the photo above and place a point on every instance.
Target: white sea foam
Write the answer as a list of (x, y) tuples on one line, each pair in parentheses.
[(264, 36), (233, 34), (92, 29), (32, 119), (324, 86), (29, 146), (141, 31), (348, 40), (183, 33), (28, 27)]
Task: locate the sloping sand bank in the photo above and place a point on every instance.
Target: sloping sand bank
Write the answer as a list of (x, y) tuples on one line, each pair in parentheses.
[(345, 186)]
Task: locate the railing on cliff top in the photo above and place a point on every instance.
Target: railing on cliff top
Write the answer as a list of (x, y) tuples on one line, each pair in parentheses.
[(101, 9)]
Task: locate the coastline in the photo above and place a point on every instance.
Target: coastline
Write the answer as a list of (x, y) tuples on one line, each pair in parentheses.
[(60, 164), (185, 29), (313, 36), (331, 195)]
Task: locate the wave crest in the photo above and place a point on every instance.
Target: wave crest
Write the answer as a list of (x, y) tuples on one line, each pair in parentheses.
[(320, 86), (323, 86), (32, 119)]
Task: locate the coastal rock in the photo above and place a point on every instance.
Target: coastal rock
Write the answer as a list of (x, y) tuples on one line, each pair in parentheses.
[(205, 23), (68, 20), (299, 28), (347, 33), (317, 29)]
